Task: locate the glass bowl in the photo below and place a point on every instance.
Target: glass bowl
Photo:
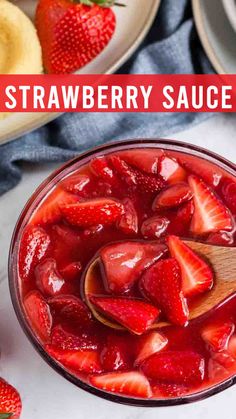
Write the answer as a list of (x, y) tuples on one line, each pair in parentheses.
[(32, 204)]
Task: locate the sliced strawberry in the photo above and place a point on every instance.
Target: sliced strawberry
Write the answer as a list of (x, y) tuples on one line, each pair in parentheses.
[(135, 315), (71, 308), (101, 168), (197, 276), (39, 315), (173, 196), (93, 212), (148, 183), (180, 222), (217, 335), (124, 262), (143, 182), (48, 279), (65, 245), (33, 247), (144, 160), (216, 371), (232, 346), (225, 359), (50, 209), (210, 215), (154, 227), (83, 340), (162, 284), (166, 390), (75, 183), (126, 172), (115, 355), (131, 383), (221, 238), (209, 172), (170, 170), (77, 361), (129, 220), (228, 190), (180, 367), (150, 344), (71, 271), (185, 213)]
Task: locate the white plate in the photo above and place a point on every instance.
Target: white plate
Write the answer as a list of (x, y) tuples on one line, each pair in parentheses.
[(216, 33), (133, 23)]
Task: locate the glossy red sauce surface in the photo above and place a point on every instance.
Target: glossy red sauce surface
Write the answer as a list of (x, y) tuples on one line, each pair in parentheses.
[(131, 202)]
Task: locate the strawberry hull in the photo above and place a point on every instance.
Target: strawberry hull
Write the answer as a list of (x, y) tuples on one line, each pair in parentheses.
[(130, 211)]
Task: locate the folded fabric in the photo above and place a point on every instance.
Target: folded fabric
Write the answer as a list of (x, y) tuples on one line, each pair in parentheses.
[(171, 47)]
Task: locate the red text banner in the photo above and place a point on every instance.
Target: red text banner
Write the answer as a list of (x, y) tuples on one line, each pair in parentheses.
[(118, 93)]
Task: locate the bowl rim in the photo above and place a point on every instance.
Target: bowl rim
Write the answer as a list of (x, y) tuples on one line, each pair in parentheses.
[(31, 203), (230, 10)]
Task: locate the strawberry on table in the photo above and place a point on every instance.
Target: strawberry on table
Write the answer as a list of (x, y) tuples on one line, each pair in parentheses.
[(162, 284), (76, 361), (73, 33), (197, 276), (124, 262), (210, 214), (38, 314), (180, 367), (217, 335), (92, 212), (10, 401), (135, 315), (33, 247), (131, 383), (150, 344)]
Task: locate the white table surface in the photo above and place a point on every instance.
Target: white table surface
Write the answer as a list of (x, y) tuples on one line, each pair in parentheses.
[(45, 394)]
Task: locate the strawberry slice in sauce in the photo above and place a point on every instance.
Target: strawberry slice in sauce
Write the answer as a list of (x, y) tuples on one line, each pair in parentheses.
[(135, 315), (38, 314), (131, 383), (33, 247), (93, 212), (210, 214), (124, 262), (180, 367), (162, 284), (197, 276)]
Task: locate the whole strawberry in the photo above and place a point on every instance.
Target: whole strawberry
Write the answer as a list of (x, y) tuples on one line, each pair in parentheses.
[(73, 33), (10, 401)]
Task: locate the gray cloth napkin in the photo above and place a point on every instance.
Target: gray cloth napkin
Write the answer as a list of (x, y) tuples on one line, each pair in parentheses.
[(172, 46)]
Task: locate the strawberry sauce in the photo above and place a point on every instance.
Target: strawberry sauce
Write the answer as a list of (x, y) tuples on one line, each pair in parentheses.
[(102, 261)]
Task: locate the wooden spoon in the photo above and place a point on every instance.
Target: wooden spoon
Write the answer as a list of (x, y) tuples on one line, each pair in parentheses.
[(223, 262)]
